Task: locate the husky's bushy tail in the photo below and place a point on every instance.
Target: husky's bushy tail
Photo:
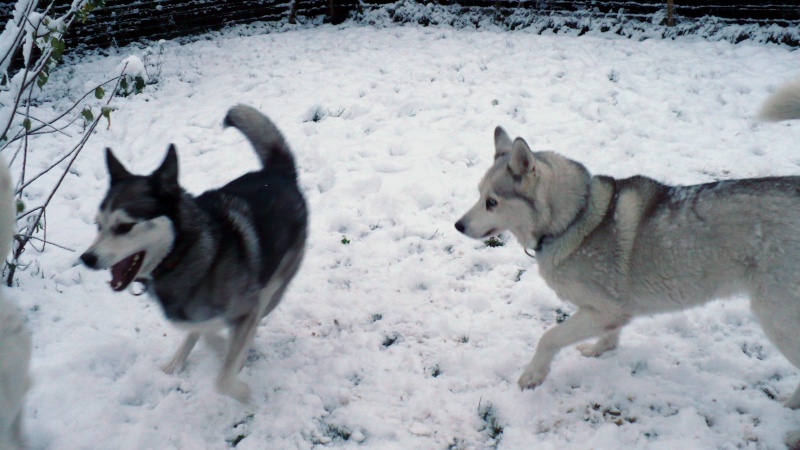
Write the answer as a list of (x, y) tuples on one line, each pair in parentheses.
[(784, 104), (267, 141)]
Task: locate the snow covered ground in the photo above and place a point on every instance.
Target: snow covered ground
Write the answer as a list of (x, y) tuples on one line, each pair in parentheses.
[(399, 333)]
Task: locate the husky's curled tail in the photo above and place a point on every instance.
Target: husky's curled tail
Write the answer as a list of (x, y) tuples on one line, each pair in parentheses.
[(265, 137), (783, 104), (15, 342)]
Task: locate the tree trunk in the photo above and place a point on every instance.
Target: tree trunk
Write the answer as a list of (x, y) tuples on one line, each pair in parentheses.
[(670, 17)]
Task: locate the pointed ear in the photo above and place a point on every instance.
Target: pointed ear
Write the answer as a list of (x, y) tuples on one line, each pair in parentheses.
[(502, 143), (522, 160), (115, 168), (166, 176)]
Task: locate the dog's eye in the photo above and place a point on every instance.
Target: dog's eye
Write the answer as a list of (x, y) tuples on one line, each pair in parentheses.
[(122, 228), (490, 203)]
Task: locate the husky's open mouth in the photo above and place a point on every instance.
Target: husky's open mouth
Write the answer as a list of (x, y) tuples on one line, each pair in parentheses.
[(490, 232), (124, 272)]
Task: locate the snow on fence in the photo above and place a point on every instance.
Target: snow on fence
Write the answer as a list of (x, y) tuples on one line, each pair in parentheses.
[(775, 21), (123, 21)]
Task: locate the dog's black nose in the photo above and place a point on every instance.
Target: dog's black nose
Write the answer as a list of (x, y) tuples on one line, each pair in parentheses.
[(90, 259), (460, 226)]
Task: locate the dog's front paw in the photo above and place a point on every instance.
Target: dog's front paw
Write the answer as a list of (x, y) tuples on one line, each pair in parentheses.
[(586, 349), (531, 378), (793, 440), (234, 388), (171, 367)]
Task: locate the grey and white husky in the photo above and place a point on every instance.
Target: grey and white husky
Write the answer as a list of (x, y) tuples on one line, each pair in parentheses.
[(622, 248), (223, 258)]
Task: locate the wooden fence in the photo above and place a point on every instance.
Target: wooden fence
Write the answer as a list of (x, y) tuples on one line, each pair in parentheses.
[(739, 11), (124, 21)]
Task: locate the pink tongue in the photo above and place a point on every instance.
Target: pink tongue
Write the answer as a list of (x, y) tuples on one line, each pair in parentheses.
[(123, 272)]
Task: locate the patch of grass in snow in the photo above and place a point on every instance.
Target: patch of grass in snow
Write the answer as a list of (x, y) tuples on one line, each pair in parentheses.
[(235, 441), (494, 241), (253, 355), (345, 241), (332, 433), (318, 115), (247, 419), (336, 432), (639, 367), (519, 275), (598, 414), (389, 340), (153, 60), (337, 113), (651, 435), (242, 434), (457, 444), (753, 350), (492, 426), (766, 390)]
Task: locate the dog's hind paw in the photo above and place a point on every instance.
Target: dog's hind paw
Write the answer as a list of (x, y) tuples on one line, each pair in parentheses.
[(793, 440), (607, 342), (531, 378), (237, 389), (590, 350), (171, 367)]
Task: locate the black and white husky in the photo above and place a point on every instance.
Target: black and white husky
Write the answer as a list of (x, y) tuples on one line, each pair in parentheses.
[(221, 259)]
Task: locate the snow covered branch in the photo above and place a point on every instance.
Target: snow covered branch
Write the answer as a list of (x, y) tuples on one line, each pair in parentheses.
[(31, 45)]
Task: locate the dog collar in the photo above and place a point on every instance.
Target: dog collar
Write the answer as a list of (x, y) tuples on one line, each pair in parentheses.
[(550, 237), (540, 243), (170, 262)]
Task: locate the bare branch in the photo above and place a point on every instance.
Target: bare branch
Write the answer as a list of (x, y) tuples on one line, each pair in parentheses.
[(47, 36), (77, 148), (17, 46), (61, 116)]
